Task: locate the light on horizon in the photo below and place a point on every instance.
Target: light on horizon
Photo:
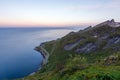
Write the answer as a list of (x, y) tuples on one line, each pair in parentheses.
[(57, 13)]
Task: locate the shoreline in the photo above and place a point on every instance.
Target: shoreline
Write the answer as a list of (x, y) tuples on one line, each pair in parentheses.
[(44, 53)]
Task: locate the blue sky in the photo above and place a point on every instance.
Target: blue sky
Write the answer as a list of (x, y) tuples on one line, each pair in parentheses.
[(57, 12)]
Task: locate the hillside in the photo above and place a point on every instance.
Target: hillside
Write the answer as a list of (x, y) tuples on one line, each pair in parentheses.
[(89, 54)]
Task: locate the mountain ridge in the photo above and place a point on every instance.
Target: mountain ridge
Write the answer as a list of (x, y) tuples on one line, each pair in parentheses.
[(110, 23), (89, 54)]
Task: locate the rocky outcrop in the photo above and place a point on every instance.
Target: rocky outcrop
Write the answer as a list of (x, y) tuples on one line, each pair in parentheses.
[(112, 41), (86, 48), (103, 36), (110, 60), (72, 45), (111, 23)]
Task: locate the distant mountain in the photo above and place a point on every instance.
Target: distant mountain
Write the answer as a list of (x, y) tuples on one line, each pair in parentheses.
[(89, 54)]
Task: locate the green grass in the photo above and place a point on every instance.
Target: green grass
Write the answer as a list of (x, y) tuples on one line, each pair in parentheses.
[(69, 65)]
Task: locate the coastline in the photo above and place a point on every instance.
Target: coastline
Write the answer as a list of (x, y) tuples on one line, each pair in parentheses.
[(44, 53)]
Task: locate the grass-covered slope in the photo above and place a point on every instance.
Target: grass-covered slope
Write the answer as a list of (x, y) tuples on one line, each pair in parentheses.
[(90, 54)]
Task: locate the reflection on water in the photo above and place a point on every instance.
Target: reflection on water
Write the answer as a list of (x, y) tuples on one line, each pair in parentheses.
[(17, 55)]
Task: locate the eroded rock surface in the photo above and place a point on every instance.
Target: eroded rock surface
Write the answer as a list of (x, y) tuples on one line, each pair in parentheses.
[(86, 48), (72, 45)]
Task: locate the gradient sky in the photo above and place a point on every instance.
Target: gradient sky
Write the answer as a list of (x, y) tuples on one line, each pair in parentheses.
[(57, 12)]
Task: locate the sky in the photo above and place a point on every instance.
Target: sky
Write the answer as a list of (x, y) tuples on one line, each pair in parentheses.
[(26, 13)]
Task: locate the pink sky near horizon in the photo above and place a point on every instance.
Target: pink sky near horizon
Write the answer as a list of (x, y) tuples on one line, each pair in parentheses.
[(44, 24), (40, 13)]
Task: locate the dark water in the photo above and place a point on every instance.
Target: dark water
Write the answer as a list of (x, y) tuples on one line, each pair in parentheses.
[(17, 55)]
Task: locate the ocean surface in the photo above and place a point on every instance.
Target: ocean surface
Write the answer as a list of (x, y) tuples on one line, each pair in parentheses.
[(17, 55)]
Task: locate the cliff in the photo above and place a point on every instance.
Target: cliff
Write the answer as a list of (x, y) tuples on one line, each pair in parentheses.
[(44, 53), (89, 54)]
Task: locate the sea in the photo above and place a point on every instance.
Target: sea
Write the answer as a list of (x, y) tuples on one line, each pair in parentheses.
[(17, 55)]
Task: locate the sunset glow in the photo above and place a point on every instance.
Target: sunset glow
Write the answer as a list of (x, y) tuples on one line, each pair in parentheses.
[(57, 12)]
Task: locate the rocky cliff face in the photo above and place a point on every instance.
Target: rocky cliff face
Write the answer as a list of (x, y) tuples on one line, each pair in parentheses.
[(101, 37)]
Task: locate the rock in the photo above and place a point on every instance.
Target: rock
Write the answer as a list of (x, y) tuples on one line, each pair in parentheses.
[(105, 36), (94, 38), (88, 28), (86, 48), (112, 59), (72, 45), (112, 41), (111, 23)]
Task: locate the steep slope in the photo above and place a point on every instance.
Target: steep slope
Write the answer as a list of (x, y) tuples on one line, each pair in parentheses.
[(89, 54)]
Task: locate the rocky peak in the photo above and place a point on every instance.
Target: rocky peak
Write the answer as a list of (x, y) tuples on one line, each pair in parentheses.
[(110, 23)]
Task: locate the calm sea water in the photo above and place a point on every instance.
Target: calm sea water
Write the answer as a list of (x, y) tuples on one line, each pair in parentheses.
[(17, 55)]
